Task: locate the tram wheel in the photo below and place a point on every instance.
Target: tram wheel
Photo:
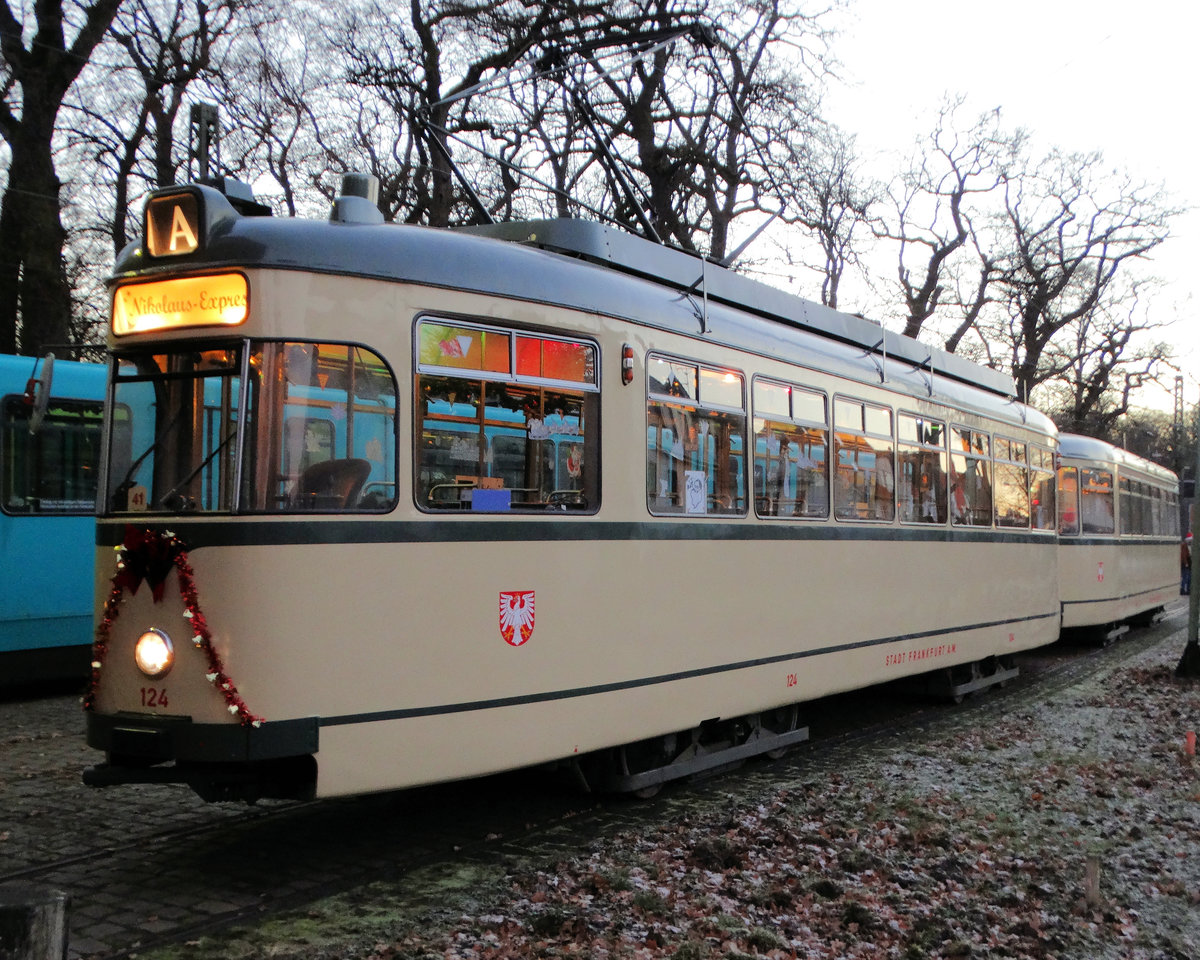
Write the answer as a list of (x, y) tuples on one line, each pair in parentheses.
[(643, 756), (1003, 664), (780, 720)]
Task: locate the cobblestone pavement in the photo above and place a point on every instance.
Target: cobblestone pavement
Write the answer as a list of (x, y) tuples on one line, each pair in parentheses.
[(152, 864), (149, 864)]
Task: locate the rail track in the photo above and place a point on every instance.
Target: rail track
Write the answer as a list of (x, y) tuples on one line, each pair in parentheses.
[(151, 865)]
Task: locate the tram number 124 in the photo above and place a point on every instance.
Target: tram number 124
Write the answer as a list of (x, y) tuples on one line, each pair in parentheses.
[(152, 697)]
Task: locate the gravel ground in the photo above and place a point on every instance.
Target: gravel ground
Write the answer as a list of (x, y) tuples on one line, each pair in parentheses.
[(1067, 829)]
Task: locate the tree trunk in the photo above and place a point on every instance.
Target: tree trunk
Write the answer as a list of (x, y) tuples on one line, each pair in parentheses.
[(35, 298)]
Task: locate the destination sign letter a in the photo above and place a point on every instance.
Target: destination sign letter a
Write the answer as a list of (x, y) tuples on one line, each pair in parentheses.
[(173, 225)]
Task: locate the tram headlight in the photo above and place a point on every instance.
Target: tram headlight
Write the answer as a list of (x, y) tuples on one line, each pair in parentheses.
[(154, 653)]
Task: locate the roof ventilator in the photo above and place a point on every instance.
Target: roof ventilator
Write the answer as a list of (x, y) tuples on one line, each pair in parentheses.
[(358, 201)]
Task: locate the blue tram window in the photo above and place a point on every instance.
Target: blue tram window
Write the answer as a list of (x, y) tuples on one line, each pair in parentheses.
[(55, 469)]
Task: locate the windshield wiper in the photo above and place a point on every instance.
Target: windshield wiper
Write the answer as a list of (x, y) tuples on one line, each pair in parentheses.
[(173, 500)]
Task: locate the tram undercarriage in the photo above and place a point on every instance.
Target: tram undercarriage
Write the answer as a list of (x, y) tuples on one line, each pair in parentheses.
[(642, 768)]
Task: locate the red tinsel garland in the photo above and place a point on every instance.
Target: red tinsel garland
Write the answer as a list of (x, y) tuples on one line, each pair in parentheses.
[(150, 555)]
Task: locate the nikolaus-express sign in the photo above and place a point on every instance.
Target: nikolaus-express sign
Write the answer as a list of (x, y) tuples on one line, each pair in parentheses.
[(220, 299)]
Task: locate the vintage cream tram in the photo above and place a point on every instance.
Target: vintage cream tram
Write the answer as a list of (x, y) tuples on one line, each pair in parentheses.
[(1118, 537), (402, 505)]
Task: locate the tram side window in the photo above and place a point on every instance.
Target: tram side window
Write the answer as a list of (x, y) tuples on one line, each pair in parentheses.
[(337, 448), (506, 420), (865, 479), (53, 470), (1012, 483), (1171, 518), (1096, 501), (921, 483), (1138, 508), (1146, 509), (1042, 505), (970, 477), (1127, 508), (791, 446), (1163, 526), (1068, 501), (695, 439)]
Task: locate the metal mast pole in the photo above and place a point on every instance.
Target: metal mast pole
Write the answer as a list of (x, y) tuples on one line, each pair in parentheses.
[(1189, 663), (204, 141)]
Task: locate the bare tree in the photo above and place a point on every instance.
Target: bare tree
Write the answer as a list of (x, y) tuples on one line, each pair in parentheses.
[(429, 74), (279, 95), (1103, 357), (831, 201), (35, 296), (707, 127), (1148, 433), (133, 130), (1075, 230), (936, 202)]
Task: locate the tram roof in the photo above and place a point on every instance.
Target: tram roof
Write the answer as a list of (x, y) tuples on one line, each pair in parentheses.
[(681, 270), (1078, 447), (586, 260)]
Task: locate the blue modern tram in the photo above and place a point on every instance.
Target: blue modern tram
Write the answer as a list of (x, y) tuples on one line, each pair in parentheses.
[(50, 423)]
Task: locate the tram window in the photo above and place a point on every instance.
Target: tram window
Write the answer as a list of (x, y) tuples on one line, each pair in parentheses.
[(1068, 501), (864, 479), (695, 439), (319, 430), (791, 446), (970, 477), (1146, 524), (848, 414), (345, 399), (1042, 489), (463, 347), (51, 471), (921, 482), (522, 442), (1012, 484), (672, 378), (1096, 501), (720, 388), (1171, 518), (1136, 508), (1126, 508)]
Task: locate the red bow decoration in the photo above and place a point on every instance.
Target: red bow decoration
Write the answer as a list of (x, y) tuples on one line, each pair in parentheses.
[(149, 556)]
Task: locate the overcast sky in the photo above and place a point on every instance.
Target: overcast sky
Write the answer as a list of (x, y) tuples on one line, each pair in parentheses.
[(1119, 77)]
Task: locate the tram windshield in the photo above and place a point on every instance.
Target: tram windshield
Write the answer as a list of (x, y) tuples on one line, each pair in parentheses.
[(257, 427)]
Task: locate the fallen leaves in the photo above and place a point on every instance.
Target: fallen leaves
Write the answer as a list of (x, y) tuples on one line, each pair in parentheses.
[(1069, 829)]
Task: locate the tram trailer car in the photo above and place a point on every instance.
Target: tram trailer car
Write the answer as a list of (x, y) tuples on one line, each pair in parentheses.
[(1118, 556), (353, 574), (52, 415)]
